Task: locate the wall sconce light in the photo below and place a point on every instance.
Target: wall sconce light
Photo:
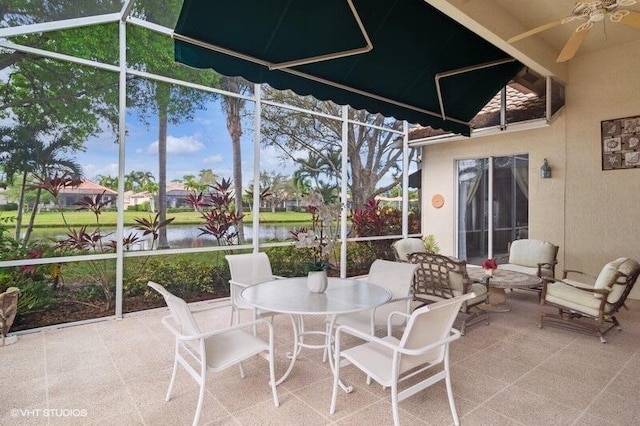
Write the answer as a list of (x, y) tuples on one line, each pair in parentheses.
[(545, 170)]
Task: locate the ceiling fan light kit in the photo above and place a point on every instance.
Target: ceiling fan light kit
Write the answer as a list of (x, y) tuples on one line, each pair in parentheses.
[(592, 12)]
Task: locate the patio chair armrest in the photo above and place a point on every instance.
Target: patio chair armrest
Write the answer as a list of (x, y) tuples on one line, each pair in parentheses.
[(454, 334), (210, 308), (180, 336), (237, 284), (362, 335), (565, 273), (398, 299), (278, 277), (391, 315), (359, 277)]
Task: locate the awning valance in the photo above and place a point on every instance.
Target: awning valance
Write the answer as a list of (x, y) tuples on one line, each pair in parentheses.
[(380, 55)]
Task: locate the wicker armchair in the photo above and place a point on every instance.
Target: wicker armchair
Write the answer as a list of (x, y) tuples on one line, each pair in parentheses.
[(441, 277), (586, 307)]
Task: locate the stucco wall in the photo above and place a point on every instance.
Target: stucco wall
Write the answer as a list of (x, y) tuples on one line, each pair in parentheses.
[(593, 215)]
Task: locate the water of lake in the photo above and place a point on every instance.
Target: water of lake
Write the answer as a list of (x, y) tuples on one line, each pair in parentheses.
[(181, 236)]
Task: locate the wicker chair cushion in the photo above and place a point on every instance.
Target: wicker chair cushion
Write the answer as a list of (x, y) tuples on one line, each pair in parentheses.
[(406, 246), (607, 276), (479, 289), (572, 298), (526, 269), (531, 252)]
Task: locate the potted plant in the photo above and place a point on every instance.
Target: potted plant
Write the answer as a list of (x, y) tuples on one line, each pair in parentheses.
[(320, 238), (8, 310), (489, 265)]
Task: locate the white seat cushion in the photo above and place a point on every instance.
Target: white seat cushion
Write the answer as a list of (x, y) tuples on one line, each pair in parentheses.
[(226, 349), (608, 275), (572, 298), (531, 252), (374, 358), (479, 289)]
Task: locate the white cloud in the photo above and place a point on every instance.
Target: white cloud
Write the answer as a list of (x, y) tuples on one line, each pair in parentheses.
[(213, 159), (184, 145), (92, 171)]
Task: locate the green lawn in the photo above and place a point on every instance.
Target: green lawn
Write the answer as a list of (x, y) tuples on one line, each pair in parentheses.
[(80, 218)]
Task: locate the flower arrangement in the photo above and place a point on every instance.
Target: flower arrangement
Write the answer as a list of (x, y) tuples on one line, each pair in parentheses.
[(489, 264), (323, 234)]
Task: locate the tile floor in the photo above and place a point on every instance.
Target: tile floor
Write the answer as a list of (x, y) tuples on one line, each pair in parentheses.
[(116, 372)]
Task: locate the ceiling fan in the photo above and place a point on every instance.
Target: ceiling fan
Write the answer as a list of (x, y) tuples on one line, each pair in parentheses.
[(591, 11)]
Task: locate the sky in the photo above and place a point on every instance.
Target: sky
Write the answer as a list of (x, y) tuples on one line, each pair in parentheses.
[(203, 143)]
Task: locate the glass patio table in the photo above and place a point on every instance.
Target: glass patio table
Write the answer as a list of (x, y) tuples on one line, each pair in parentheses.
[(291, 296)]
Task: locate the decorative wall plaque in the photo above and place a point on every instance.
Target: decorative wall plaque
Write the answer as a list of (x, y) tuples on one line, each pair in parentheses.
[(620, 143), (437, 201)]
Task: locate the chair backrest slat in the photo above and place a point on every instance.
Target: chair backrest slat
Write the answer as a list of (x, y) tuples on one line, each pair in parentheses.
[(182, 316), (397, 277), (428, 325), (250, 268)]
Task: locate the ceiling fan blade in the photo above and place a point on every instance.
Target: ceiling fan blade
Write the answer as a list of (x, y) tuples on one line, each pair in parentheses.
[(541, 28), (573, 44), (632, 19)]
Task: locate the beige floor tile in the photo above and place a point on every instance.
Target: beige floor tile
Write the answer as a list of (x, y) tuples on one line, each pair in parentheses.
[(318, 396), (119, 371), (23, 394), (131, 418), (237, 394), (23, 415), (559, 389), (98, 403), (83, 380), (474, 385), (578, 370), (589, 420), (485, 416), (181, 410), (496, 366), (378, 414), (624, 409), (292, 411), (432, 405), (530, 408)]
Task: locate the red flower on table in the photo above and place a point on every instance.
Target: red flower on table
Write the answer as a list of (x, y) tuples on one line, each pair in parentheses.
[(489, 264)]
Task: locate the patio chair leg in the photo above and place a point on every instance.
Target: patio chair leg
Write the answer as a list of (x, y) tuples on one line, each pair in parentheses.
[(452, 404), (200, 401), (394, 403), (173, 375)]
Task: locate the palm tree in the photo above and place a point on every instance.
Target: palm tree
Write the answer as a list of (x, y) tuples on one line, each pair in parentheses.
[(26, 153), (233, 108)]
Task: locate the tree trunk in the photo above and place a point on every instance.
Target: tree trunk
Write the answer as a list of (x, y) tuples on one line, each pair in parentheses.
[(162, 163), (237, 173), (32, 219), (21, 205)]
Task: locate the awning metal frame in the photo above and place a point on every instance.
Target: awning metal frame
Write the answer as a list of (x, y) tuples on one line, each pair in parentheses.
[(296, 62), (463, 70)]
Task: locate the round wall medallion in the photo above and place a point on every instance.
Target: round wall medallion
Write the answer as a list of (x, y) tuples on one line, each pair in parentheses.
[(437, 201)]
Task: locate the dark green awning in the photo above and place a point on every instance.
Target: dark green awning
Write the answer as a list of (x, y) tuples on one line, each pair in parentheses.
[(389, 54)]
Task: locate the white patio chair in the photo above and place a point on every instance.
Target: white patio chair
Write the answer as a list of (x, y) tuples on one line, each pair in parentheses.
[(246, 270), (214, 350), (388, 360), (397, 277)]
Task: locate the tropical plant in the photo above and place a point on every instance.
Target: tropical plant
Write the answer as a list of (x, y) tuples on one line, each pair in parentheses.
[(217, 209)]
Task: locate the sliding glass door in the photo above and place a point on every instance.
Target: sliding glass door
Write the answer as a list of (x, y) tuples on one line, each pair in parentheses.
[(485, 228)]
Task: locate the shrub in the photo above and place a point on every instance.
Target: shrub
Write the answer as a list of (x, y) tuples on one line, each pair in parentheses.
[(9, 207), (183, 278)]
